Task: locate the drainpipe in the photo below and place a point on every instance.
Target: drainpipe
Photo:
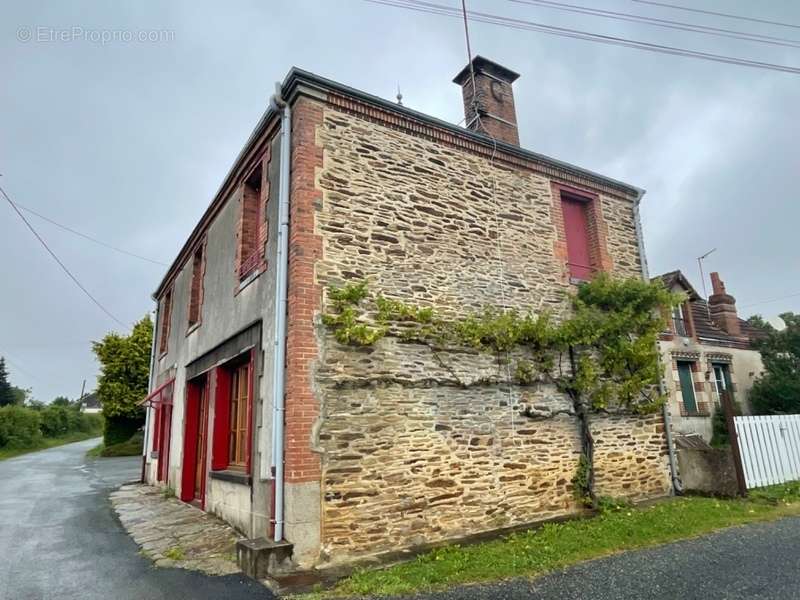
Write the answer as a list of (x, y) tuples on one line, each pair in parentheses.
[(151, 375), (279, 351), (677, 486)]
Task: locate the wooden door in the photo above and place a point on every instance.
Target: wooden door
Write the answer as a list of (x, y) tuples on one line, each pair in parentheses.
[(200, 447)]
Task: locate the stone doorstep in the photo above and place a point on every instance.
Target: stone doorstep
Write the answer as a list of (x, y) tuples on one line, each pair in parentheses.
[(158, 524)]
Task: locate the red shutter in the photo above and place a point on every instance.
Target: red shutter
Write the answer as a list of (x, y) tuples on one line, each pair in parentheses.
[(157, 428), (222, 415), (190, 433), (576, 227), (250, 387)]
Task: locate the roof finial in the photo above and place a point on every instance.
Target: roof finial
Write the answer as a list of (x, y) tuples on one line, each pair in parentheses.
[(399, 96)]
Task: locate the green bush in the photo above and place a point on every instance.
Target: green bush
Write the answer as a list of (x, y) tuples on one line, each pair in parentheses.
[(118, 430), (20, 427)]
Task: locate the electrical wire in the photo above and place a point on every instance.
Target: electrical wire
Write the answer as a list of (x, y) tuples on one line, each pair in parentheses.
[(665, 23), (88, 237), (521, 24), (717, 14), (58, 260), (501, 268), (771, 300)]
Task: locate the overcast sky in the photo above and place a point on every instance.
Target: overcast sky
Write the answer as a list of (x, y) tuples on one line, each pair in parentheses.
[(128, 141)]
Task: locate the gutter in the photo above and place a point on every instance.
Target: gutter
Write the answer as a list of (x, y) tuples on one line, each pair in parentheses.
[(677, 486), (278, 103), (151, 379)]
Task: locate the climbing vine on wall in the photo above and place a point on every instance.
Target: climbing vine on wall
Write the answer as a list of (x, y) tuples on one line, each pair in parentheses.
[(603, 355)]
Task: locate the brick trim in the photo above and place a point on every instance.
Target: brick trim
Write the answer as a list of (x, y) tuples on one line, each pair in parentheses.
[(302, 464), (420, 128), (598, 230)]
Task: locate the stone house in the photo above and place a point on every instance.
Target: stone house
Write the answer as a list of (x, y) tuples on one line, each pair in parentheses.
[(256, 412), (706, 350)]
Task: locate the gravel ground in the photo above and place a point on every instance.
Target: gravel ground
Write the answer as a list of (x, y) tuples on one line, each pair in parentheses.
[(755, 562)]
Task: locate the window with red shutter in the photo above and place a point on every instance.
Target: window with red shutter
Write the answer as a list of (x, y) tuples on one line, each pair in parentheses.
[(233, 415), (576, 228)]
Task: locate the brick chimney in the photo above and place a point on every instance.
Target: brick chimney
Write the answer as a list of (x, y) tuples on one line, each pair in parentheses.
[(493, 100), (723, 307)]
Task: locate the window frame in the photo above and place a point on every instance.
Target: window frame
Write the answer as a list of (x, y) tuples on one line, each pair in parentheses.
[(596, 243), (197, 288), (687, 384), (166, 326), (228, 426), (250, 260), (680, 309)]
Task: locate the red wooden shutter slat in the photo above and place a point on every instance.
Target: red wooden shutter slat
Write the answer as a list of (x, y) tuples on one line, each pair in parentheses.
[(249, 434), (222, 415), (576, 228), (190, 441)]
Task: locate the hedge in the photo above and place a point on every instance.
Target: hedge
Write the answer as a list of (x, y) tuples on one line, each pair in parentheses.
[(25, 427)]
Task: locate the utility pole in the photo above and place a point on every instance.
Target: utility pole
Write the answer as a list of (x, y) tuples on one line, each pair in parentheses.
[(83, 389)]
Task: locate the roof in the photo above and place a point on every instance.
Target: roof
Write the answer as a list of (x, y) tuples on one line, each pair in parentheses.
[(90, 400), (705, 329), (299, 81), (673, 277)]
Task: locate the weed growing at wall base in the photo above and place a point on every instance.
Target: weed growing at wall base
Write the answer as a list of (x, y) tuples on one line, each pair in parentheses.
[(617, 528)]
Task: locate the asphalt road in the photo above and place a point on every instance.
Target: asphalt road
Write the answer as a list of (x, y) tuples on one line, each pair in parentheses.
[(60, 539), (755, 562)]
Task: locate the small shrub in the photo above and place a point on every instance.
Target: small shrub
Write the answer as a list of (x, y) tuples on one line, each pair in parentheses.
[(118, 430), (20, 427)]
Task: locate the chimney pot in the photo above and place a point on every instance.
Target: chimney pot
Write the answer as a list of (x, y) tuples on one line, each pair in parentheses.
[(489, 108)]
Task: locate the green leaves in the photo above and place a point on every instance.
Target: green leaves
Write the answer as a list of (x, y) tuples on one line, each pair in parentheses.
[(777, 390), (612, 334), (124, 370)]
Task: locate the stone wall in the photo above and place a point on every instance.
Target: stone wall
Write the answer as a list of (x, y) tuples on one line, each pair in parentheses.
[(418, 446)]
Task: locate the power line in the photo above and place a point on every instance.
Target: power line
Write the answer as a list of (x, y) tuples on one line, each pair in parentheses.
[(717, 14), (664, 23), (438, 9), (58, 260), (88, 237), (771, 300)]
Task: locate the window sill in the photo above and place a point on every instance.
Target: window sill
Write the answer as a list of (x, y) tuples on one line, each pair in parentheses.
[(193, 327), (231, 476), (248, 279)]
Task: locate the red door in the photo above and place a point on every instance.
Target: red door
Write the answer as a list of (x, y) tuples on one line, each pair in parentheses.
[(193, 477), (576, 227)]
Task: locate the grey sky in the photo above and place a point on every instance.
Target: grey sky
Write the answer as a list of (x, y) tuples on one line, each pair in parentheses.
[(128, 141)]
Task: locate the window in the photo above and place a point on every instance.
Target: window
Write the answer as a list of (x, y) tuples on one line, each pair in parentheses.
[(722, 380), (196, 291), (239, 394), (166, 316), (252, 229), (576, 229), (679, 322), (232, 413), (687, 387)]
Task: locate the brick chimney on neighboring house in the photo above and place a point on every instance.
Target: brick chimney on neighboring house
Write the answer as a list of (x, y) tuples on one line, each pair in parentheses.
[(492, 100), (723, 308)]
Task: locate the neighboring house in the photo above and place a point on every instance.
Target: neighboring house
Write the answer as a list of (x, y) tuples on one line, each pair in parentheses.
[(706, 350), (260, 416), (90, 403)]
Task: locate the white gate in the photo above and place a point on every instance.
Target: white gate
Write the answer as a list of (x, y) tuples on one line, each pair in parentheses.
[(770, 449)]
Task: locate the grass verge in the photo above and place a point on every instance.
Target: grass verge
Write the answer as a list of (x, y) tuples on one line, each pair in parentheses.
[(48, 443), (133, 447), (536, 552)]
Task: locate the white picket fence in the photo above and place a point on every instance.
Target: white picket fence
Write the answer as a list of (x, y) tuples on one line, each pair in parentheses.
[(770, 449)]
